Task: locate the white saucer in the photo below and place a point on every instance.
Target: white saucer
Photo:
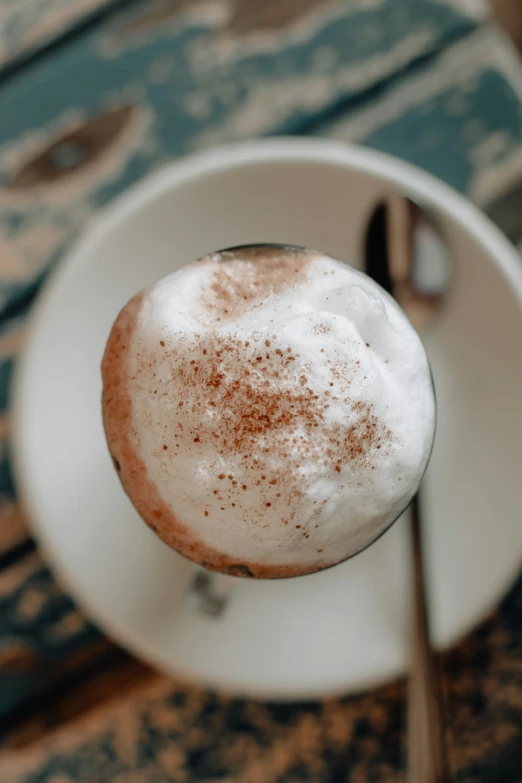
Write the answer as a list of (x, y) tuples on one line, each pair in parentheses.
[(333, 632)]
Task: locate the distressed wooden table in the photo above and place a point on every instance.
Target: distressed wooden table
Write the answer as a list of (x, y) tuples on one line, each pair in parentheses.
[(94, 95)]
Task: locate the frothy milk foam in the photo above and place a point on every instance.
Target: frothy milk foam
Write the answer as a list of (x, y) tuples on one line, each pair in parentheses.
[(270, 412)]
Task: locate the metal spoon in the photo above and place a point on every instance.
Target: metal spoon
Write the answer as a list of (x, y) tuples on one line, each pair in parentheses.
[(406, 254)]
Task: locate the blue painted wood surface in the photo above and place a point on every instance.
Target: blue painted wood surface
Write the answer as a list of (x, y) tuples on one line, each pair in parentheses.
[(28, 25), (418, 78)]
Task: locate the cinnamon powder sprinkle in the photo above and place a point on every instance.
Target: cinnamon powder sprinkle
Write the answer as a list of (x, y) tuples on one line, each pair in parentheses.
[(261, 409), (263, 272)]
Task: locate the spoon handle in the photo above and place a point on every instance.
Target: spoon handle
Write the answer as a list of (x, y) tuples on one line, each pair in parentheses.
[(390, 261), (427, 758)]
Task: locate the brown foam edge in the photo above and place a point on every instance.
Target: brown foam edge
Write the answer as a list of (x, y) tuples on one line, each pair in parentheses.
[(143, 493)]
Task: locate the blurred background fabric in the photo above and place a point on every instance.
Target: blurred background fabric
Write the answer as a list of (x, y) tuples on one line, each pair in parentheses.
[(95, 95)]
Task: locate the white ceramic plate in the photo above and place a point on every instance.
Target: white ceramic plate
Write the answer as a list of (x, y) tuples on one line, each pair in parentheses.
[(333, 632)]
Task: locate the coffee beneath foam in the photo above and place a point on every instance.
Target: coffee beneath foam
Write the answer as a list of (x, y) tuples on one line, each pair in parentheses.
[(270, 413)]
